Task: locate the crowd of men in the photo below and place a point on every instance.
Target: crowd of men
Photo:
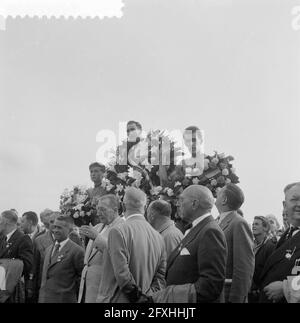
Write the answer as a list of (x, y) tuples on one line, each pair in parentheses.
[(144, 256)]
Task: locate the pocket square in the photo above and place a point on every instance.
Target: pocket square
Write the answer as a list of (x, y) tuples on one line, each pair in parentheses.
[(184, 252)]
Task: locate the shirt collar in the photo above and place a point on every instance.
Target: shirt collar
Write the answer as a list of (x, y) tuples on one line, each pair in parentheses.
[(197, 221), (62, 243), (132, 215), (8, 236), (166, 225)]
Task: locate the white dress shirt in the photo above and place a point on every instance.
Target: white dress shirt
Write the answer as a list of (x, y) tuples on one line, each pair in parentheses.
[(62, 244), (197, 221), (130, 216), (223, 216)]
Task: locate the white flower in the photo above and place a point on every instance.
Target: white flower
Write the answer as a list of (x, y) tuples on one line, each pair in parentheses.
[(215, 160), (228, 180), (135, 174), (225, 172), (195, 180), (177, 184), (170, 192), (104, 182), (81, 213), (122, 176), (233, 170), (214, 182), (119, 188), (109, 186), (78, 206), (221, 156), (156, 190), (76, 215)]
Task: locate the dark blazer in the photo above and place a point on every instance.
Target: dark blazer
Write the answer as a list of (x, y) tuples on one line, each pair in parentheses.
[(261, 257), (19, 246), (61, 277), (240, 261), (200, 259), (278, 267)]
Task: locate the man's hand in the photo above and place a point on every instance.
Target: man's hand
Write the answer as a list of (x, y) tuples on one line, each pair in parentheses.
[(274, 291), (88, 231)]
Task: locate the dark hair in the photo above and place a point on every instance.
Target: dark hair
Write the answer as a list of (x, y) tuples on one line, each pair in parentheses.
[(96, 164), (161, 207), (264, 220), (66, 219), (31, 216), (289, 186), (138, 125), (11, 216), (235, 196)]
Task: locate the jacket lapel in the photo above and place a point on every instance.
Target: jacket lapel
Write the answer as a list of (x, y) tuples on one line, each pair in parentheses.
[(10, 244), (91, 251), (280, 253), (188, 239)]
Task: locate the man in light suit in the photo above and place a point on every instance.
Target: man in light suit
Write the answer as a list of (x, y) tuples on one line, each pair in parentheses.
[(240, 261), (137, 257), (196, 268), (62, 266), (107, 210)]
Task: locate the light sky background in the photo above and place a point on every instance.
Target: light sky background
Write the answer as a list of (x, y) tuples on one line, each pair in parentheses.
[(230, 67)]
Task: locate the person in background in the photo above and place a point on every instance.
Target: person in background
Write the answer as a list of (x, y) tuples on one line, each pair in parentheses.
[(15, 244), (45, 219), (263, 248), (29, 226), (159, 216), (274, 226), (62, 266), (285, 221), (97, 171), (240, 261)]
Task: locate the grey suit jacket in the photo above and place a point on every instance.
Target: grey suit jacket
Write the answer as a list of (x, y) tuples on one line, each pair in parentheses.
[(93, 264), (135, 255), (240, 260), (60, 279)]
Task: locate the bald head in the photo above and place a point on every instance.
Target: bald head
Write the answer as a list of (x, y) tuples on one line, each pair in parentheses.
[(195, 200), (134, 201)]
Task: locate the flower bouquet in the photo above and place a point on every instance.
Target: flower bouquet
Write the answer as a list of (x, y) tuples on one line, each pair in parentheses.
[(77, 204)]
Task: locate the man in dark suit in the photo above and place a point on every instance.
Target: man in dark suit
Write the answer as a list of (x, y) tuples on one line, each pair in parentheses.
[(264, 246), (200, 258), (282, 261), (14, 244), (240, 261), (62, 266)]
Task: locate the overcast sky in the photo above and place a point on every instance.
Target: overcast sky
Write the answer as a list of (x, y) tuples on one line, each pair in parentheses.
[(230, 67)]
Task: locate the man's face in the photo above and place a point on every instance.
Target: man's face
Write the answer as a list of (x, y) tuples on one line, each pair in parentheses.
[(220, 199), (132, 132), (52, 219), (105, 212), (184, 206), (45, 219), (26, 225), (292, 205), (258, 228), (3, 224), (61, 230), (96, 174)]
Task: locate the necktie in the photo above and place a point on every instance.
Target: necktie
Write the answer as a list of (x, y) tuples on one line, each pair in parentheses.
[(55, 252)]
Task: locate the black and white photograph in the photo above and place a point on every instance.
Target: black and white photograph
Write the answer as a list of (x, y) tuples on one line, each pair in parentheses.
[(150, 154)]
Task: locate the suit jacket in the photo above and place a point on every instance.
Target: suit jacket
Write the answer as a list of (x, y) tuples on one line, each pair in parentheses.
[(200, 259), (135, 256), (240, 261), (278, 267), (60, 279), (93, 265), (19, 246)]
